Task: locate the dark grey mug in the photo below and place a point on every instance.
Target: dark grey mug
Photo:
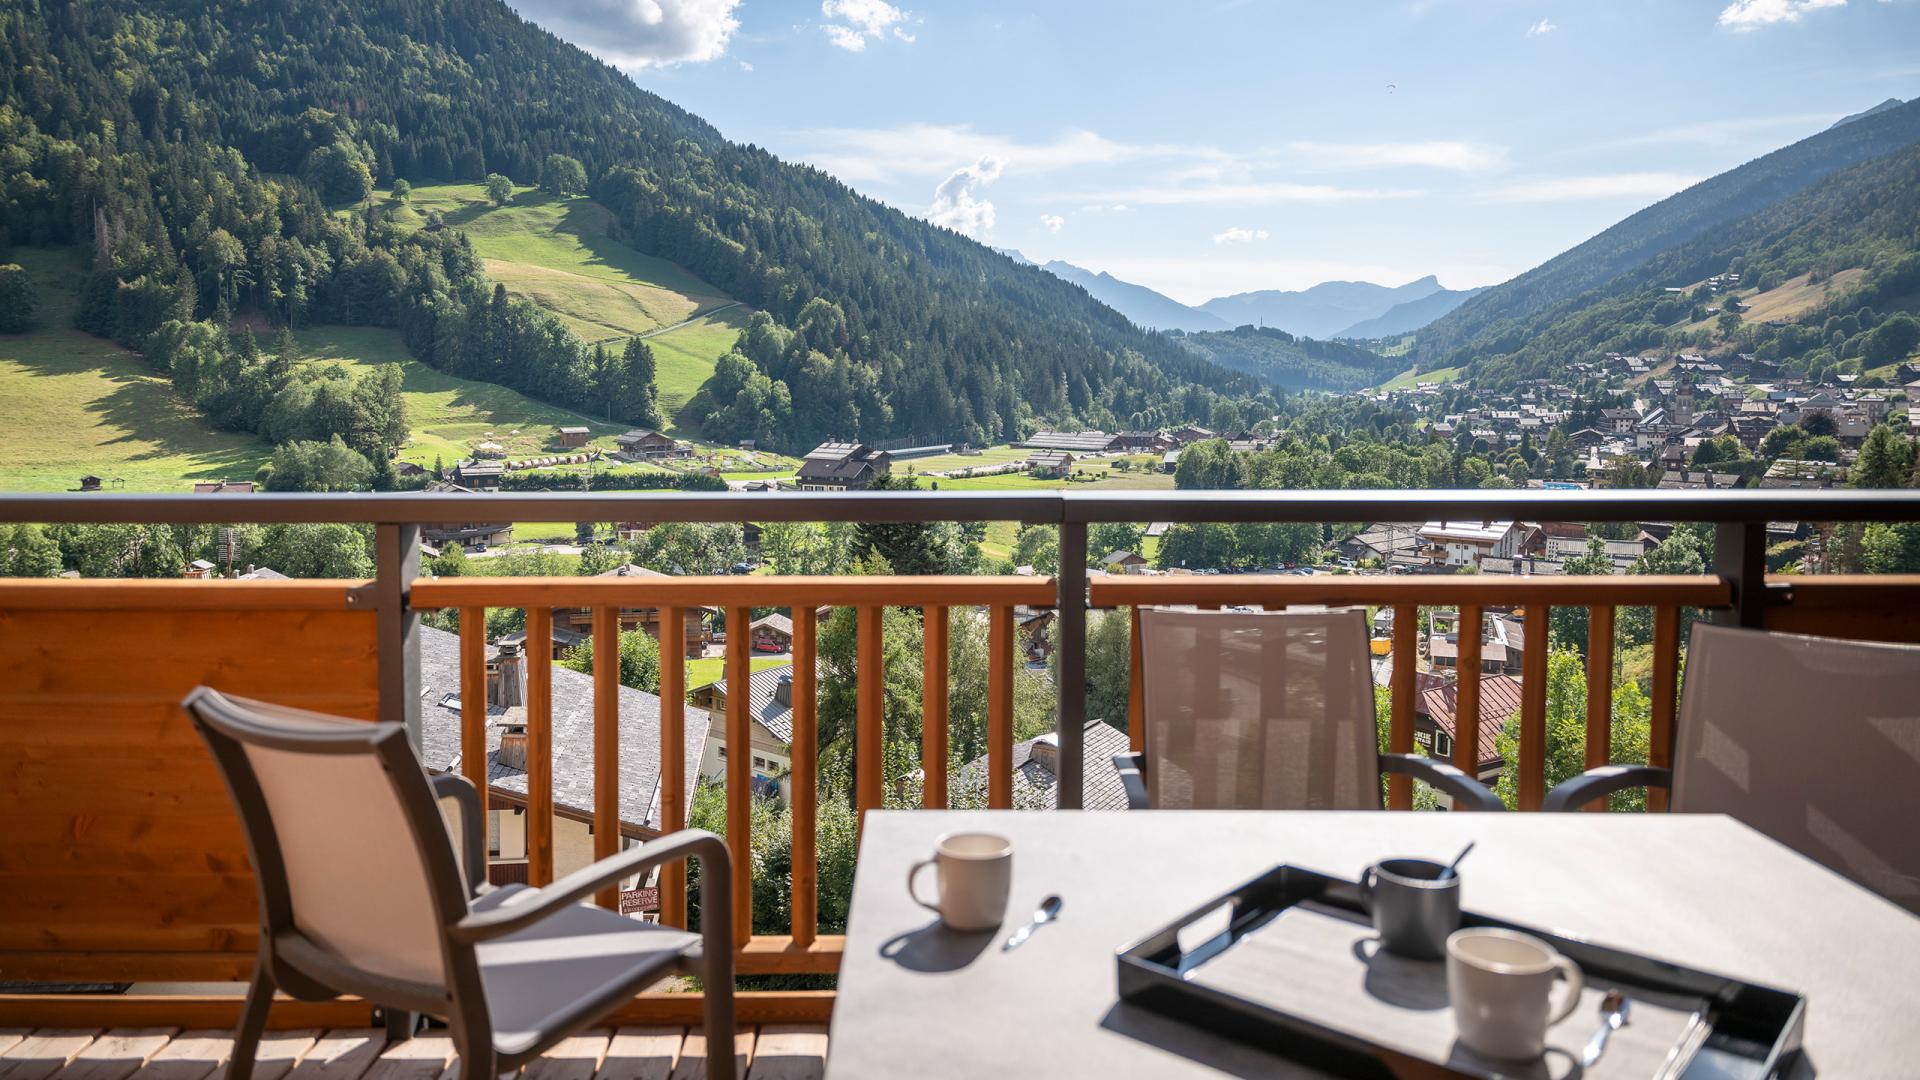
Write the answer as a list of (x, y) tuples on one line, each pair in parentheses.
[(1415, 904)]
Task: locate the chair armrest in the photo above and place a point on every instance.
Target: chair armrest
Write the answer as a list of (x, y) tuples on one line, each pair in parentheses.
[(1465, 790), (527, 908), (473, 830), (1603, 781), (1133, 776)]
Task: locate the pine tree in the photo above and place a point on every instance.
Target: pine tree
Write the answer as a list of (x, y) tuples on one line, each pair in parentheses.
[(638, 378)]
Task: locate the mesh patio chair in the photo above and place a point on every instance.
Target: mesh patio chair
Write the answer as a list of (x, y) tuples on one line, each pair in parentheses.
[(1812, 741), (362, 891), (1269, 711)]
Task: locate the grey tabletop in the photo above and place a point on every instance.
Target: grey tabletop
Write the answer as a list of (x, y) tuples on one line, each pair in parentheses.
[(1702, 890)]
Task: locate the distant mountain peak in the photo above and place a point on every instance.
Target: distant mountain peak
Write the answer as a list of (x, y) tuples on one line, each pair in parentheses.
[(1890, 103), (1014, 254)]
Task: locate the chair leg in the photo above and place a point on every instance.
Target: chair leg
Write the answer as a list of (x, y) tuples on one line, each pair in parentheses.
[(253, 1021), (719, 1018), (401, 1024)]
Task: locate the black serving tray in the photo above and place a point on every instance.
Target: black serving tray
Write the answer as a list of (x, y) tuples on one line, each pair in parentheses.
[(1742, 1029)]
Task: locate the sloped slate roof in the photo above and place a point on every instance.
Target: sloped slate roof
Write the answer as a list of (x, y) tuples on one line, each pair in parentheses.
[(1101, 787), (775, 717), (572, 737), (1499, 701)]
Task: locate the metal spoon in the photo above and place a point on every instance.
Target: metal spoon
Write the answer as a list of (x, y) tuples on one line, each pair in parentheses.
[(1454, 866), (1048, 911), (1613, 1016)]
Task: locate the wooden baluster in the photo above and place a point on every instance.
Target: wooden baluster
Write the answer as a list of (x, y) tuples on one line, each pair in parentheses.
[(1532, 786), (740, 769), (806, 769), (473, 704), (673, 757), (539, 661), (1466, 704), (1666, 696), (1136, 690), (1406, 654), (1599, 692), (1000, 710), (606, 744), (933, 727), (869, 713)]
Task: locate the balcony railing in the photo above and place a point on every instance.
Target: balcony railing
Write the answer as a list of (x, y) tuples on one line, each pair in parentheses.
[(121, 860)]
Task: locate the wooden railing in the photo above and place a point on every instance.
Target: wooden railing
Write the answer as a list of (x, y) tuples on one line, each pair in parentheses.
[(803, 949)]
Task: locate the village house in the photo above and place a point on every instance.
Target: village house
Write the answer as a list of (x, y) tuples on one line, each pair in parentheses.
[(1078, 442), (470, 535), (1049, 464), (479, 475), (1436, 723), (642, 444), (772, 633), (842, 466), (1123, 562), (1036, 770), (771, 710), (699, 629), (1466, 543), (574, 437)]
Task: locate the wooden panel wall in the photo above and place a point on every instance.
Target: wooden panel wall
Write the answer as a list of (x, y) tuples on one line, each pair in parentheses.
[(121, 856)]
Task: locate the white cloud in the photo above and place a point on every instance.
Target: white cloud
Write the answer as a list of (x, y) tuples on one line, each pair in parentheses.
[(863, 21), (1638, 185), (1753, 14), (1432, 154), (856, 154), (636, 34), (1053, 222), (1541, 28), (1238, 235), (954, 205), (746, 65)]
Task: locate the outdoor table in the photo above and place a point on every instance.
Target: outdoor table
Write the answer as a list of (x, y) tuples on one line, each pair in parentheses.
[(1702, 890)]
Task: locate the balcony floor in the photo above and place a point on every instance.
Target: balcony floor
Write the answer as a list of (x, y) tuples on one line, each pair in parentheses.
[(769, 1052)]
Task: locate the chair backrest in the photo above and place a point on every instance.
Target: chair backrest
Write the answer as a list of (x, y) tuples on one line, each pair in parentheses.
[(1262, 710), (347, 841), (1813, 741)]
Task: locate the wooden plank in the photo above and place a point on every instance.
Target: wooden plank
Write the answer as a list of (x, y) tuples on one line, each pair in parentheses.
[(1666, 697), (805, 776), (1466, 707), (280, 1051), (1123, 590), (473, 702), (1000, 648), (869, 711), (693, 1055), (1406, 655), (426, 1055), (606, 744), (758, 591), (789, 1052), (1599, 692), (750, 1006), (10, 1037), (539, 661), (191, 1055), (123, 595), (740, 766), (642, 1053), (673, 760), (772, 954), (118, 1054), (1136, 691), (576, 1057), (1860, 607), (341, 1054), (44, 1053), (1532, 785), (933, 725)]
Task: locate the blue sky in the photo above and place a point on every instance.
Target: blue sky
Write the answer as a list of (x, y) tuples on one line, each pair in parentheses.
[(1218, 146)]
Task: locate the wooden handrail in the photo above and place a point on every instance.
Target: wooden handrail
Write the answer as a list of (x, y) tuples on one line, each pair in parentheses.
[(752, 591), (1449, 590), (147, 594)]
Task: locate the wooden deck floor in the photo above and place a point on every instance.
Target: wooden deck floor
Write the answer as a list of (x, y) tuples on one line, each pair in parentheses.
[(770, 1052)]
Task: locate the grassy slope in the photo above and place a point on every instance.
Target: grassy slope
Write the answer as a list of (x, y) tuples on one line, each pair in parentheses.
[(556, 253), (72, 404), (1409, 378), (711, 669)]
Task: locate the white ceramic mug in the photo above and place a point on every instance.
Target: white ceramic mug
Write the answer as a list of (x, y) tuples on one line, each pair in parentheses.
[(1500, 983), (973, 872)]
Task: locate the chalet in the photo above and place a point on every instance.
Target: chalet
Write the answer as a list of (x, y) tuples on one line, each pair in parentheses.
[(699, 630), (1618, 421), (1170, 461), (90, 482), (479, 475), (470, 535), (647, 445), (1686, 479), (199, 569), (771, 710), (572, 437), (842, 466), (1049, 464), (1434, 717), (1123, 562), (1078, 442), (409, 468), (1193, 433), (223, 487), (1143, 442), (572, 741), (772, 633), (1465, 543)]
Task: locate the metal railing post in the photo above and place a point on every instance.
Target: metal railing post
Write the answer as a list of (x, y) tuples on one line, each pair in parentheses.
[(1072, 617), (1740, 556), (397, 562)]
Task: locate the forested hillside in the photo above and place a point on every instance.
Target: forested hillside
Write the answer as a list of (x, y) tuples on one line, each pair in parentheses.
[(1293, 363), (1848, 248), (1497, 321), (199, 154)]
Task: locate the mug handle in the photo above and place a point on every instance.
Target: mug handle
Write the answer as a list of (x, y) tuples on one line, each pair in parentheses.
[(1368, 880), (1576, 982), (913, 874)]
